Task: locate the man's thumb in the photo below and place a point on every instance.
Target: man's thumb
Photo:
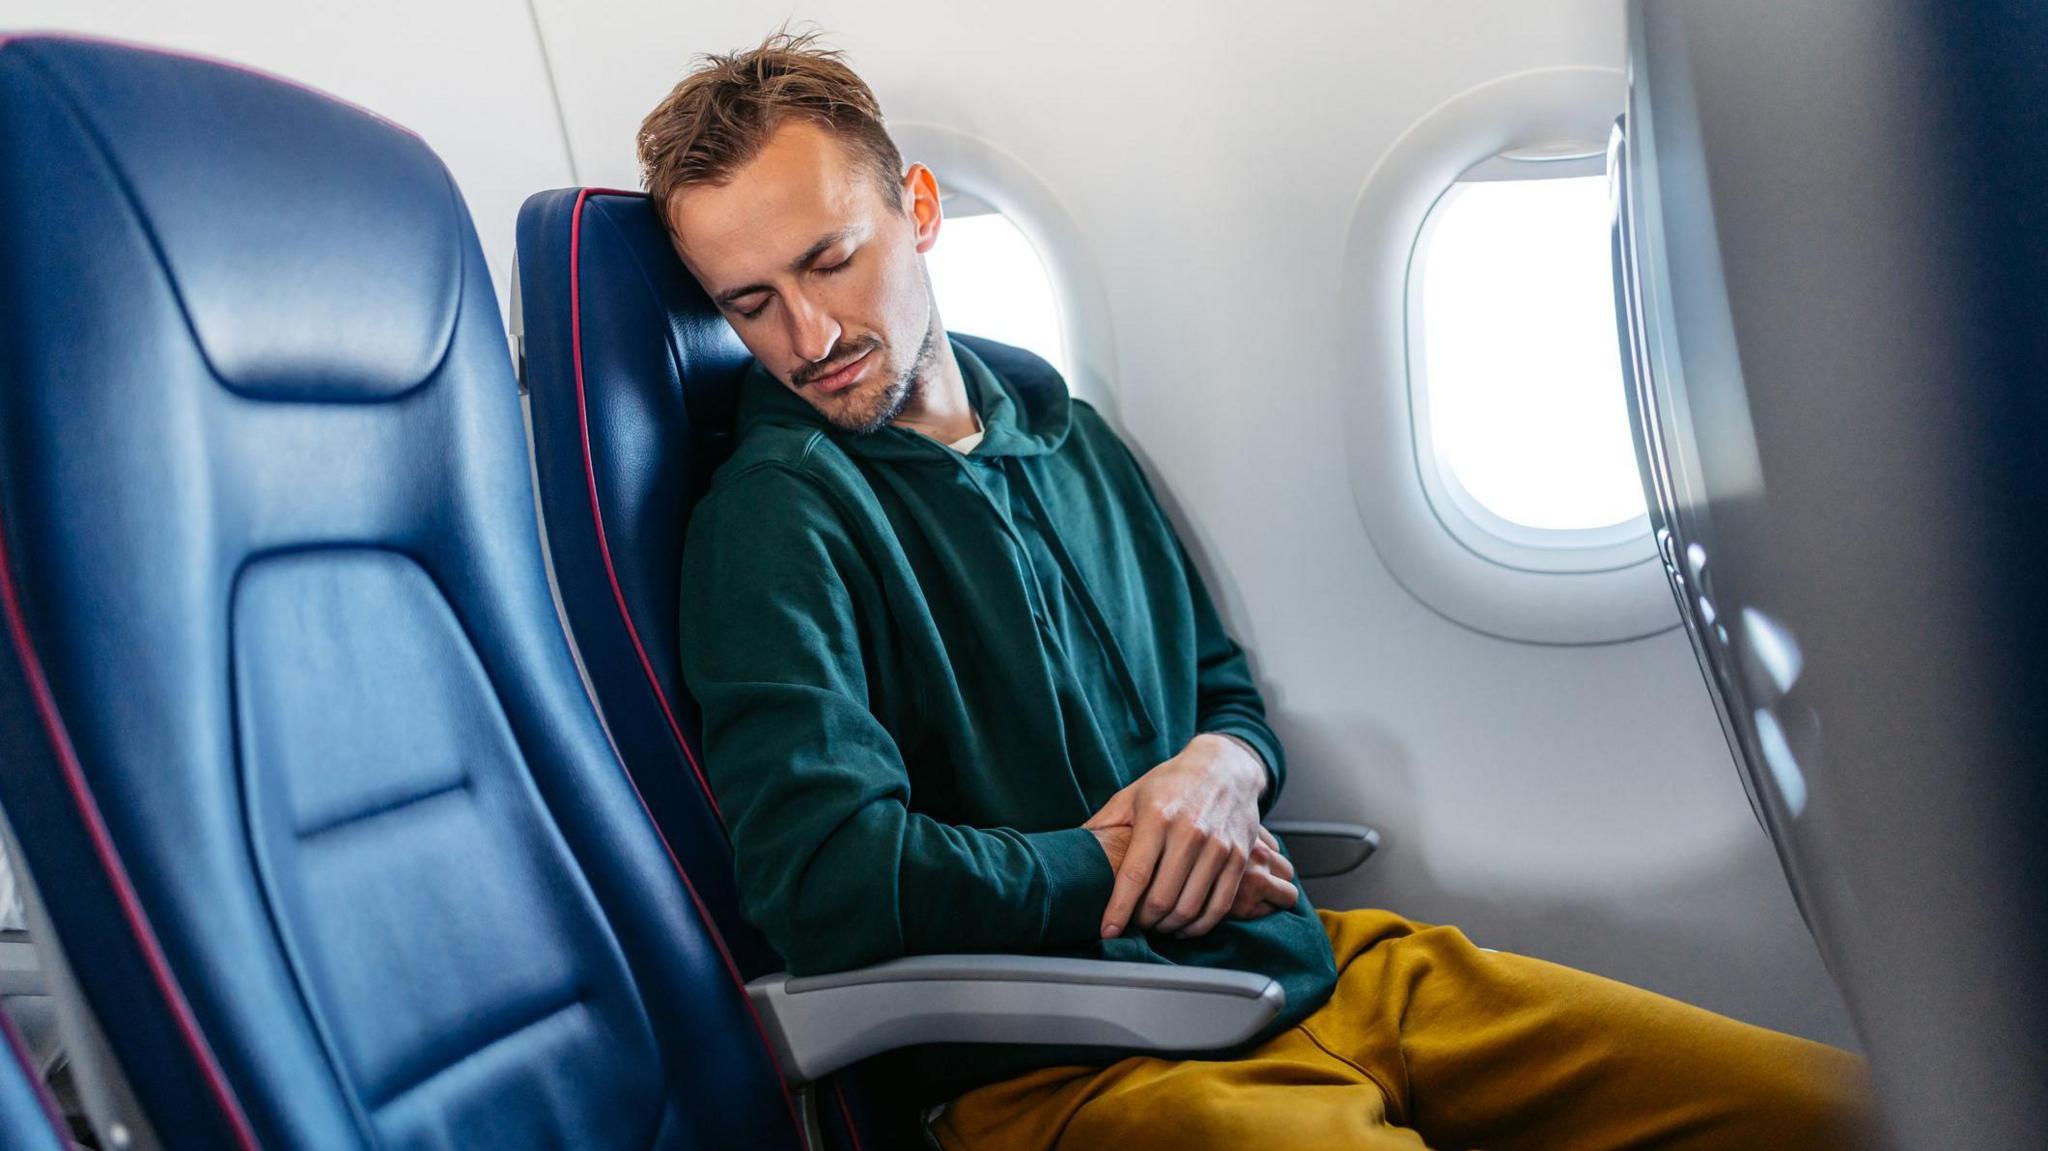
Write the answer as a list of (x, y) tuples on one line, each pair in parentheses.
[(1116, 811)]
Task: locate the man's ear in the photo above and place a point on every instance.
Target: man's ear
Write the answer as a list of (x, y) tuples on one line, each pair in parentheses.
[(921, 202)]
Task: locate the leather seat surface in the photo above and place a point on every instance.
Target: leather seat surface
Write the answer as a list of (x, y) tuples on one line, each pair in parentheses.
[(293, 738), (29, 1119), (633, 376)]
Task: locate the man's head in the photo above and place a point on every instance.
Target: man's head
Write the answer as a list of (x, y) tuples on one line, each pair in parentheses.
[(787, 200)]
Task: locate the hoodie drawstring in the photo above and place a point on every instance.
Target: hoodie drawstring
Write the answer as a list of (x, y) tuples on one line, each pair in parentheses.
[(1105, 640)]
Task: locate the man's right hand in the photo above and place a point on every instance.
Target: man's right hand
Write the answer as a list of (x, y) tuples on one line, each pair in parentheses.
[(1267, 885)]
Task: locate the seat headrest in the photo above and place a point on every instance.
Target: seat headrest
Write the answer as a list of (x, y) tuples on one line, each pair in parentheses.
[(308, 273)]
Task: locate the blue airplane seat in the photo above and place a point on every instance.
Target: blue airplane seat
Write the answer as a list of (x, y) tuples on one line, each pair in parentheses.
[(623, 450), (1835, 375), (29, 1117), (289, 730)]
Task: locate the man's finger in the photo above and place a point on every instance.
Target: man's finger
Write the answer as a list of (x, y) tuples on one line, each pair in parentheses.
[(1222, 895), (1274, 862), (1247, 904), (1196, 895), (1278, 892), (1114, 812), (1141, 860), (1261, 893), (1183, 848)]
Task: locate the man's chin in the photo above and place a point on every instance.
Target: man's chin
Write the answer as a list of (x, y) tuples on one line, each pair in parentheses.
[(863, 409)]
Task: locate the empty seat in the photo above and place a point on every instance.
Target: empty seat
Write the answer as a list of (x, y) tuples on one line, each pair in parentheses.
[(293, 741)]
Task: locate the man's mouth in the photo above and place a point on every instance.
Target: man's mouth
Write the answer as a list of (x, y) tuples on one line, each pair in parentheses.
[(843, 376)]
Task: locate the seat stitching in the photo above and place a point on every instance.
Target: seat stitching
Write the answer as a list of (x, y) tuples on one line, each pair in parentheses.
[(597, 511), (379, 809), (11, 1042), (92, 821), (520, 1024), (704, 917)]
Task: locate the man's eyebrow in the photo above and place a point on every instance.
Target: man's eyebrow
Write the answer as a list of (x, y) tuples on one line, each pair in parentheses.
[(810, 256)]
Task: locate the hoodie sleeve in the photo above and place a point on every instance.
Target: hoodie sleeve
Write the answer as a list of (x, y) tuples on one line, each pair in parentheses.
[(832, 864)]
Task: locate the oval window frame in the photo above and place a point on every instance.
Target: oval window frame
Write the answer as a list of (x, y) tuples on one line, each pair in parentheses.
[(1487, 533), (1494, 578)]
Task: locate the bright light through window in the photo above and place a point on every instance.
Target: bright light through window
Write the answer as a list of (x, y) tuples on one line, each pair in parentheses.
[(990, 282), (1520, 355)]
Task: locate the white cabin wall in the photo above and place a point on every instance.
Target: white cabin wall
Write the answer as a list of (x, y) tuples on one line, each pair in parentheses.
[(467, 75), (1574, 803)]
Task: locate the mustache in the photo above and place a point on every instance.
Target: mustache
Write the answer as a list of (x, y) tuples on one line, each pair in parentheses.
[(809, 372)]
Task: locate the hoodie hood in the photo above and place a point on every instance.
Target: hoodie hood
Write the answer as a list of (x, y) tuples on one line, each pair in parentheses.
[(1019, 418)]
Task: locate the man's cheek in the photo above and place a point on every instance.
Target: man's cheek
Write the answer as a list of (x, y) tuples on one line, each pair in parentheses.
[(899, 288)]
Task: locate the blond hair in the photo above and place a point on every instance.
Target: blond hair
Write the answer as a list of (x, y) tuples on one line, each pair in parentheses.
[(719, 117)]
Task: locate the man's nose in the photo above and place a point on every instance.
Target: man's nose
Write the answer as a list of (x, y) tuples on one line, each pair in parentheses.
[(813, 333)]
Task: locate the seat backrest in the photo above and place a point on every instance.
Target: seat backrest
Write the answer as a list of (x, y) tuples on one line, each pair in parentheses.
[(633, 377), (1833, 281), (294, 742)]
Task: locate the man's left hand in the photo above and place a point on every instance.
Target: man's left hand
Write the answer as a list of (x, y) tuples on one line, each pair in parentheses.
[(1193, 822)]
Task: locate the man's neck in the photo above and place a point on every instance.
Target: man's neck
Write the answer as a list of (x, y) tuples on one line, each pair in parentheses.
[(940, 408)]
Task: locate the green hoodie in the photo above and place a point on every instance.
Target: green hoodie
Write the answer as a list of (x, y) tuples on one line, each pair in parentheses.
[(921, 671)]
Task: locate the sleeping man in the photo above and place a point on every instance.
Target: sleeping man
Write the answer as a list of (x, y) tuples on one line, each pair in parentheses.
[(963, 691)]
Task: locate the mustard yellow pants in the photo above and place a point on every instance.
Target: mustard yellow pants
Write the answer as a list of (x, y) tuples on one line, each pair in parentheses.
[(1431, 1042)]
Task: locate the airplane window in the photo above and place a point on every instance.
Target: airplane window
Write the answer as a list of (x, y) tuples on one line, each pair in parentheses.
[(1511, 327), (990, 281)]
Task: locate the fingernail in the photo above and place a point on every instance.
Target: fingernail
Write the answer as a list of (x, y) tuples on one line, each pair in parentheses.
[(1109, 932)]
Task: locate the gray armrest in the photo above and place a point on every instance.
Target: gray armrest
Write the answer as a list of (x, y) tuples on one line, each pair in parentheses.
[(1320, 849), (824, 1022), (21, 971)]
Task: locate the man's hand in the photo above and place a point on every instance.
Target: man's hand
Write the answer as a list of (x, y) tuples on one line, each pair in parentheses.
[(1267, 886), (1193, 831)]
